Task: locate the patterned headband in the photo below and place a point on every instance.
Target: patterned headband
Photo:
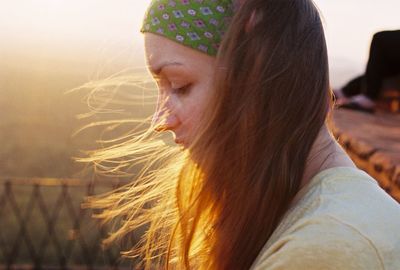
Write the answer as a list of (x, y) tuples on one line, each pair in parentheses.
[(198, 24)]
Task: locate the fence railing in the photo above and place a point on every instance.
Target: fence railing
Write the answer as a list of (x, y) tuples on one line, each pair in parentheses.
[(42, 226)]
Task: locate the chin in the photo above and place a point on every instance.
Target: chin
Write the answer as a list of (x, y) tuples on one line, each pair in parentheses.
[(182, 142), (179, 141)]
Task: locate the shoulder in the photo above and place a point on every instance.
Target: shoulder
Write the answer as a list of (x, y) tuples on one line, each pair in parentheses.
[(320, 243)]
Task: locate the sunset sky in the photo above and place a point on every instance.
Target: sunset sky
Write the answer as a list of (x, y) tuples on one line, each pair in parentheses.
[(112, 27)]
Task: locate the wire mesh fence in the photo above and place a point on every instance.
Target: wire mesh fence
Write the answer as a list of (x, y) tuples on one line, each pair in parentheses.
[(43, 226)]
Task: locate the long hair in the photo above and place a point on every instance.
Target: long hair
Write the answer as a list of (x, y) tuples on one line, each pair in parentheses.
[(217, 203)]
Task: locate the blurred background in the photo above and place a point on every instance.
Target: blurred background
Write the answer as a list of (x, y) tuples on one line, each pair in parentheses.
[(48, 47)]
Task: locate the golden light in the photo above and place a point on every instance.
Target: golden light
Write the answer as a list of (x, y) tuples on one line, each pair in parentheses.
[(72, 22)]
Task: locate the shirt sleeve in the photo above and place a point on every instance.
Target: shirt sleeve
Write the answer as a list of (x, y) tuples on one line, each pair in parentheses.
[(320, 244)]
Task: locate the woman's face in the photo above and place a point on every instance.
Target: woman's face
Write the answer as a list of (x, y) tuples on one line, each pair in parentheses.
[(184, 79)]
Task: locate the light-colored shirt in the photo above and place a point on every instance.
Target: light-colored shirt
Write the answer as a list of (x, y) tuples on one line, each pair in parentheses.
[(342, 220)]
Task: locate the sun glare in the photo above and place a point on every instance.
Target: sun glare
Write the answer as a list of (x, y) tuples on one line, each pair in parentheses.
[(72, 21)]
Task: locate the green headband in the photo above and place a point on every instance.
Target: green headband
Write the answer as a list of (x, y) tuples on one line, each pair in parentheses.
[(198, 24)]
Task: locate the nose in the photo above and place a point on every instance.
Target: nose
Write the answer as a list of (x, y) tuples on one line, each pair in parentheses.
[(165, 121), (165, 118)]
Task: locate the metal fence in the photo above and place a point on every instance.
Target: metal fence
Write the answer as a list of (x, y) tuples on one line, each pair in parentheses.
[(42, 226)]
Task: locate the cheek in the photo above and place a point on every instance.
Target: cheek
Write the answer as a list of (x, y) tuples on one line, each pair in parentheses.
[(190, 115), (194, 107)]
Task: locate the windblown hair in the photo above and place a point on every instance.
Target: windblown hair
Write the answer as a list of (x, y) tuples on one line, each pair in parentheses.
[(217, 203)]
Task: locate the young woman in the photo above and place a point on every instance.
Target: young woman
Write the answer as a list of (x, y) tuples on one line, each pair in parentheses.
[(258, 182)]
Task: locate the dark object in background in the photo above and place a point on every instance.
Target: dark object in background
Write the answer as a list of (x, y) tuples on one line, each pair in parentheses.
[(381, 80), (383, 62)]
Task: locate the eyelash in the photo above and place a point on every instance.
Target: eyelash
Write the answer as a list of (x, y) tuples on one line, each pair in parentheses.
[(181, 90)]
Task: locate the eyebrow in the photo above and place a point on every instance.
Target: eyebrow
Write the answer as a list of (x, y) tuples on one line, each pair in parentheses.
[(158, 70)]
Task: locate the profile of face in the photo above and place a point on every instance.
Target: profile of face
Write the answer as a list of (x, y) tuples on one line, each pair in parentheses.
[(184, 79)]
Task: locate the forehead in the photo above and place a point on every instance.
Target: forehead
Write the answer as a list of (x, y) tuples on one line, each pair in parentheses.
[(159, 50)]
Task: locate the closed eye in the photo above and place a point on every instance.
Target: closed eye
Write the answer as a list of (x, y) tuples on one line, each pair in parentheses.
[(184, 90)]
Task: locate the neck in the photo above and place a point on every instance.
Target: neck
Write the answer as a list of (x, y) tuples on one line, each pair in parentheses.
[(325, 153)]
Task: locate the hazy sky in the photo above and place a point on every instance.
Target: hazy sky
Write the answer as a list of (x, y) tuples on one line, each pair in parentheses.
[(94, 25)]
